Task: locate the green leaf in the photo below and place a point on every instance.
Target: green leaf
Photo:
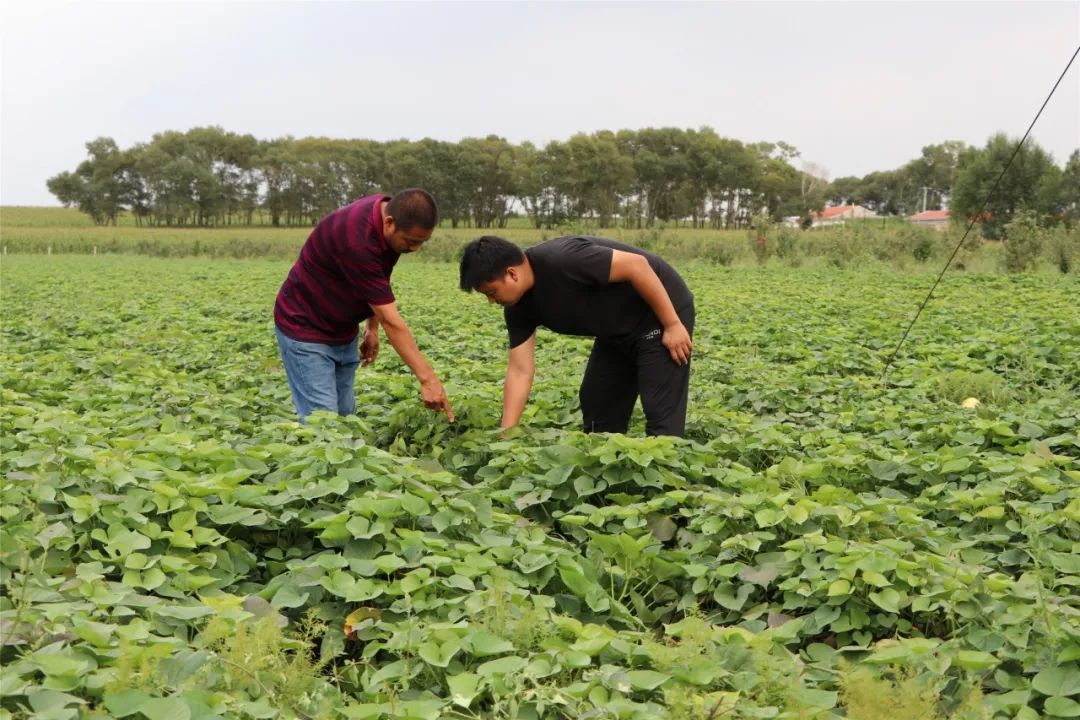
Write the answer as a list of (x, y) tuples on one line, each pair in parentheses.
[(183, 521), (647, 679), (415, 506), (44, 701), (839, 587), (439, 655), (389, 563), (289, 596), (97, 634), (1058, 680), (767, 517), (53, 532), (181, 666), (875, 578), (887, 599), (974, 660), (661, 526), (501, 666), (481, 643), (1030, 430), (530, 562), (825, 699), (60, 663), (464, 687), (994, 512), (419, 709), (170, 708), (1062, 707), (1068, 563), (956, 465), (759, 575)]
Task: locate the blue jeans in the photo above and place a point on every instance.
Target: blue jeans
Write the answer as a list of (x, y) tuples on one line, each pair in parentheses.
[(320, 376)]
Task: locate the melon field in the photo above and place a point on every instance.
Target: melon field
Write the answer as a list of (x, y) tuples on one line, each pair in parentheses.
[(825, 543)]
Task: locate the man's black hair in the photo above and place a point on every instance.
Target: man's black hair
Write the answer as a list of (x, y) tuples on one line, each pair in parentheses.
[(486, 259), (413, 208)]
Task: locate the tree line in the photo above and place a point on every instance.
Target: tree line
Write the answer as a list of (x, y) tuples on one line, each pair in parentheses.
[(633, 178)]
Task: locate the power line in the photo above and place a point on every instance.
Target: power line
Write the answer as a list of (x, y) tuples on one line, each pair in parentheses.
[(976, 216)]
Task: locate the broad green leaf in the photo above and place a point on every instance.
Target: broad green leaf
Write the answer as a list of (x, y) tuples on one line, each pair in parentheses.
[(289, 596), (464, 687), (1062, 707), (501, 666), (125, 702), (437, 654), (974, 660), (1058, 680), (887, 599), (767, 517), (839, 587), (171, 708), (647, 679), (482, 643), (45, 701)]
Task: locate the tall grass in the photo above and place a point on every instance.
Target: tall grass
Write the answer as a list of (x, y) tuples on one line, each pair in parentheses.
[(885, 244)]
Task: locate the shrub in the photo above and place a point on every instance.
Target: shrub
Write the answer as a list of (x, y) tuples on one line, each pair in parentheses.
[(762, 238), (958, 385), (1023, 242), (842, 248), (1063, 249)]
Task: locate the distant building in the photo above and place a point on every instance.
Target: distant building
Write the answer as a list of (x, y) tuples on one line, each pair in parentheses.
[(840, 214), (937, 219)]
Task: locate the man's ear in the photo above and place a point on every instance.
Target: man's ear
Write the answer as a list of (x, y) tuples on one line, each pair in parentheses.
[(388, 224), (512, 271)]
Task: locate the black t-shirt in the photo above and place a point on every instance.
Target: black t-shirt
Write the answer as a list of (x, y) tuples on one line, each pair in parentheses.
[(573, 296)]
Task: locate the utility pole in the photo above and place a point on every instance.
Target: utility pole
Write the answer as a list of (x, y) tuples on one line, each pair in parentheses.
[(924, 198)]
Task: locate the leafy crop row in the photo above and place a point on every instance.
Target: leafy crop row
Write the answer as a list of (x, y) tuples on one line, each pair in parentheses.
[(823, 545)]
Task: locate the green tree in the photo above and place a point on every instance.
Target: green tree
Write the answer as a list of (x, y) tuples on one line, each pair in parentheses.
[(598, 175), (1031, 183), (490, 161), (527, 178), (1070, 190), (843, 190), (276, 164), (101, 185)]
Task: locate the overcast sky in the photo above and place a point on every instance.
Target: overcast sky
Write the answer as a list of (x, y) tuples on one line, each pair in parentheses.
[(856, 87)]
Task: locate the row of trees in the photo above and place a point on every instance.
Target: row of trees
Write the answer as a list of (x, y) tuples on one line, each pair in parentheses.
[(207, 176), (961, 177)]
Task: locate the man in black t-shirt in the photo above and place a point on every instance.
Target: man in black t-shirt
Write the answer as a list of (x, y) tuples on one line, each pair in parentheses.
[(632, 302)]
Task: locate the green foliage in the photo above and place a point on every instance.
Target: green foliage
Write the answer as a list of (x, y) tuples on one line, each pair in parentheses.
[(174, 544), (1032, 183), (958, 385), (1062, 245), (895, 243), (1023, 242)]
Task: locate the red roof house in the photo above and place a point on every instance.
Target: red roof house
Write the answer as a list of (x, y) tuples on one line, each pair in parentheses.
[(931, 218), (839, 214)]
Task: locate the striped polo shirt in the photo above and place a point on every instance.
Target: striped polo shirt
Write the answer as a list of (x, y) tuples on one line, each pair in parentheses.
[(343, 269)]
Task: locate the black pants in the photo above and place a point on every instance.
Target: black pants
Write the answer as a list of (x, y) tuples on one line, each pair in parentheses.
[(620, 371)]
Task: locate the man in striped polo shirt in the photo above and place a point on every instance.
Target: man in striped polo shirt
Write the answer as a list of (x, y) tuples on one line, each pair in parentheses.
[(342, 278)]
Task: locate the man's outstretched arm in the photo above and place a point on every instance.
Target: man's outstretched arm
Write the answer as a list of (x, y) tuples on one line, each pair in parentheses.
[(635, 269), (519, 378), (397, 332)]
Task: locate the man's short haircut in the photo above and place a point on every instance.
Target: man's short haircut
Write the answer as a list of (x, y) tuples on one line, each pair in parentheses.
[(486, 259), (413, 208)]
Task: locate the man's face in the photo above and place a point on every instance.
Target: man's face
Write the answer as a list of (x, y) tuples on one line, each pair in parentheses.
[(505, 291), (404, 241)]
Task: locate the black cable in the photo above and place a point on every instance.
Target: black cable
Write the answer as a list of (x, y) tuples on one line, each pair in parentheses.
[(976, 216)]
